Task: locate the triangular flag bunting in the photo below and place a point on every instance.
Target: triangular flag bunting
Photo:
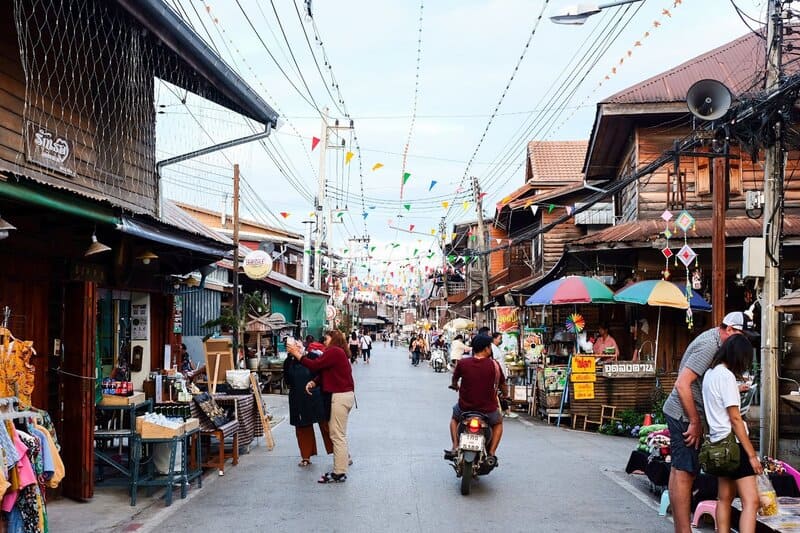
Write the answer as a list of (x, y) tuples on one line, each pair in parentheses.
[(365, 215), (433, 183), (340, 214), (345, 250), (505, 200), (569, 209), (314, 142), (347, 157), (535, 209), (415, 252), (405, 177), (372, 248), (407, 206), (550, 208), (481, 195), (376, 166), (499, 241), (445, 204), (433, 231), (284, 214), (465, 205), (371, 207), (528, 204), (411, 227)]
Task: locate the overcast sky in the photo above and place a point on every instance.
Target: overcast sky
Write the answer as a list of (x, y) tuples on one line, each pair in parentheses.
[(469, 50)]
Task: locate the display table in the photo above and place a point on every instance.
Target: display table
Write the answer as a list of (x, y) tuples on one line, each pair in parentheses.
[(117, 429), (786, 521), (186, 475), (245, 411)]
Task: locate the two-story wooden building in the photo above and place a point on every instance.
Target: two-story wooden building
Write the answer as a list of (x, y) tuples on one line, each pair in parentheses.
[(78, 163)]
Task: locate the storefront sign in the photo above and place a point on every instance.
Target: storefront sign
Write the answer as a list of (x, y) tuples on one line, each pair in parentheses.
[(628, 370), (583, 378), (177, 315), (257, 264), (139, 322), (48, 149), (87, 272), (507, 318), (582, 363), (583, 391), (531, 337)]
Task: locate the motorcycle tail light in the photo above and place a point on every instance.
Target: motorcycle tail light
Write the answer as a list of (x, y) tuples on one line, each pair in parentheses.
[(474, 425)]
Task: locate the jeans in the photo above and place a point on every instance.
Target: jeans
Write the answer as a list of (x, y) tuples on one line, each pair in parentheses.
[(415, 358)]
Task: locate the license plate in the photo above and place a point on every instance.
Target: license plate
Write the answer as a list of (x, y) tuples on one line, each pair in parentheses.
[(471, 442)]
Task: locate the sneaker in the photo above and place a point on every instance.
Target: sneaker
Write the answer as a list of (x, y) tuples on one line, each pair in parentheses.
[(511, 415), (449, 455), (332, 477)]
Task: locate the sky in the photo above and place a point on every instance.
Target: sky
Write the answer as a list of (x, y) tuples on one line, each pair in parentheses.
[(470, 111)]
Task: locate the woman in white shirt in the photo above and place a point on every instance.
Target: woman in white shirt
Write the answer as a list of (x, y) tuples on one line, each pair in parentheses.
[(721, 403)]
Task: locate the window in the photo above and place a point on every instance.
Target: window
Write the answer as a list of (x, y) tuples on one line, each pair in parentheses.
[(702, 175), (113, 327)]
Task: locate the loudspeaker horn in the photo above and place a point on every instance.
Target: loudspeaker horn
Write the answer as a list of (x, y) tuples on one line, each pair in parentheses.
[(708, 99)]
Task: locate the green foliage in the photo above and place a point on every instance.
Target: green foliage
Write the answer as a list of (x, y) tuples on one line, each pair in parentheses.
[(657, 399), (251, 304), (627, 424)]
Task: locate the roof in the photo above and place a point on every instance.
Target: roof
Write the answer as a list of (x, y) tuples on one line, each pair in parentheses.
[(174, 216), (648, 231), (548, 195), (738, 64), (790, 302), (555, 161), (231, 91), (217, 215)]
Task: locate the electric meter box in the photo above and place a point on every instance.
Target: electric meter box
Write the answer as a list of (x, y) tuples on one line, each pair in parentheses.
[(754, 255)]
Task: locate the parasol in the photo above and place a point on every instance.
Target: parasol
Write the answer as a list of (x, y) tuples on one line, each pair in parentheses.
[(572, 290), (459, 324), (660, 293)]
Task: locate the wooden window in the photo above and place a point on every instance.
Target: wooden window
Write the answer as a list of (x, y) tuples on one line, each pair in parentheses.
[(702, 176), (735, 183)]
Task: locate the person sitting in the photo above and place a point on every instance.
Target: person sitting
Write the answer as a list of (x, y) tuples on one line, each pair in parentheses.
[(605, 345), (458, 348), (477, 380)]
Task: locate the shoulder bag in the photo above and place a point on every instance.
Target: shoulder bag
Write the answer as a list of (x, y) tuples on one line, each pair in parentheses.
[(720, 458)]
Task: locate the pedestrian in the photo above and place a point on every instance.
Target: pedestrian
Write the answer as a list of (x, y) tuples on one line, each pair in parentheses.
[(337, 380), (497, 355), (366, 347), (683, 410), (393, 339), (354, 346), (187, 365), (416, 348), (721, 401), (307, 408)]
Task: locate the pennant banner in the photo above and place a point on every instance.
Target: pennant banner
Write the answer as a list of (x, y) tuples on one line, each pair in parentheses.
[(433, 182), (445, 204), (376, 166), (407, 206), (347, 157), (314, 142), (405, 177), (284, 214)]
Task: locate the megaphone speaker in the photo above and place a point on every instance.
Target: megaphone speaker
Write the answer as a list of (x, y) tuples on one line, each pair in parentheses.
[(708, 99)]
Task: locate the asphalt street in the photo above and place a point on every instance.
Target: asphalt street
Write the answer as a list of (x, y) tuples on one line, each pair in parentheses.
[(549, 479)]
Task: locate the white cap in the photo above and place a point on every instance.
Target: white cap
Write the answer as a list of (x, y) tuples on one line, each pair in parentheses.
[(734, 320)]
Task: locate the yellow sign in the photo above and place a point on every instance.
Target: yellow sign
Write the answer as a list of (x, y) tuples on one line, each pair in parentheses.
[(583, 378), (581, 363), (584, 391)]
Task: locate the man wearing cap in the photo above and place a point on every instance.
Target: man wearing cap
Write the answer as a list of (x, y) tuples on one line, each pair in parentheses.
[(480, 377), (684, 411)]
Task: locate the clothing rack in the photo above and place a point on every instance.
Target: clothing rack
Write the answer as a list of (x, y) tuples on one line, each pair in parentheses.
[(13, 401)]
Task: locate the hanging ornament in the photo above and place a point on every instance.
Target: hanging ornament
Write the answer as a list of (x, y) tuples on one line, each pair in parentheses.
[(575, 323)]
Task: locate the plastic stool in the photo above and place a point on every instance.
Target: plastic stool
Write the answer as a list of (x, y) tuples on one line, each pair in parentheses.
[(662, 510), (705, 507)]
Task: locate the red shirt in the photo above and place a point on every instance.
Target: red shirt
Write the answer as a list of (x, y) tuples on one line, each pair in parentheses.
[(479, 377), (334, 367)]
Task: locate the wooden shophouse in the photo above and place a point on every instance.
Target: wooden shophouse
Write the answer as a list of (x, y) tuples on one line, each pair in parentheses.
[(77, 160)]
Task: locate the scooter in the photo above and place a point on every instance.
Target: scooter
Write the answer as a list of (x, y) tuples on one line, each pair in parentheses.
[(471, 458), (438, 361)]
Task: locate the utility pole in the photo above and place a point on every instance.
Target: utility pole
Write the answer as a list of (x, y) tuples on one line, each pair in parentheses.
[(773, 215), (321, 207), (476, 190), (236, 261), (445, 277), (307, 251)]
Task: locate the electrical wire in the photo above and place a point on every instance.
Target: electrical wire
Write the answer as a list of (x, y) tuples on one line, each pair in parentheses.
[(414, 101)]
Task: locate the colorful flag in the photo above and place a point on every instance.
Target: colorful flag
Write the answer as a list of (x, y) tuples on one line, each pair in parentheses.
[(407, 206), (314, 142), (376, 166), (347, 157), (405, 177), (433, 182), (284, 214), (445, 204)]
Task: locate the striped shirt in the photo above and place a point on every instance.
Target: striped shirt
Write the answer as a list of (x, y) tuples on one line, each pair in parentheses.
[(697, 358)]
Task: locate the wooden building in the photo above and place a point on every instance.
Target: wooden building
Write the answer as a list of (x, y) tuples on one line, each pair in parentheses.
[(77, 160)]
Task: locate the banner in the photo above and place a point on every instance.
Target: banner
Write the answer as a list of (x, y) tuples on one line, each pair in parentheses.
[(507, 318)]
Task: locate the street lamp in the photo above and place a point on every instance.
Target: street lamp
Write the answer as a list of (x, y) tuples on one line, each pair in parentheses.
[(578, 14)]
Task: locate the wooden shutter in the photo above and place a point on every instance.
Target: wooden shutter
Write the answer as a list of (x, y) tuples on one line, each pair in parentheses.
[(702, 176), (735, 182)]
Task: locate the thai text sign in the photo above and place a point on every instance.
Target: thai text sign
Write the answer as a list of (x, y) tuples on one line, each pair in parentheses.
[(582, 378), (507, 318), (629, 370), (583, 391), (48, 149), (581, 363)]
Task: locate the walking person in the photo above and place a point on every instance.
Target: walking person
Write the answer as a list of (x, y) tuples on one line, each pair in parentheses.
[(354, 346), (307, 408), (721, 400), (366, 347), (683, 410), (417, 346), (392, 339), (337, 380)]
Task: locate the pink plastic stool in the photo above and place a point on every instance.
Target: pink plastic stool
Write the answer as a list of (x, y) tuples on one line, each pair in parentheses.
[(792, 472), (705, 507)]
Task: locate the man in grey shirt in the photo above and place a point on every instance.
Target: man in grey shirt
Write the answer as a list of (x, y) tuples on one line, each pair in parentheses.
[(684, 410)]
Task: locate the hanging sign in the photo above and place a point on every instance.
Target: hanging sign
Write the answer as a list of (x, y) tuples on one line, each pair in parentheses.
[(583, 391), (330, 312), (507, 318), (583, 378), (629, 370), (177, 315), (581, 364), (257, 264), (48, 149)]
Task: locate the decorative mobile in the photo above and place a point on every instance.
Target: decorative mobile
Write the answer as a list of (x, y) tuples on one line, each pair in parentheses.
[(687, 256), (666, 216), (575, 323)]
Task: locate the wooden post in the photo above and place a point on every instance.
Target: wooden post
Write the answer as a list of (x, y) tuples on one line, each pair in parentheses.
[(236, 263), (719, 185), (261, 414)]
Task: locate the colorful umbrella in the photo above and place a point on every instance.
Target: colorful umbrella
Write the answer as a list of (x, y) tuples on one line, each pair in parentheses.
[(572, 290), (657, 292)]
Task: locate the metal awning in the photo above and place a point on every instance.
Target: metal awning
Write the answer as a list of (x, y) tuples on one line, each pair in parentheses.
[(373, 322), (790, 303), (163, 235)]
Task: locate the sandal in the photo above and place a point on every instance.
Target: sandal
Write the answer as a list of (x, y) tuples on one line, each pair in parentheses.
[(304, 463), (332, 477)]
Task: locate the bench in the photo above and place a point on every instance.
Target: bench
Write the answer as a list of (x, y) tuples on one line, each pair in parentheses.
[(216, 457)]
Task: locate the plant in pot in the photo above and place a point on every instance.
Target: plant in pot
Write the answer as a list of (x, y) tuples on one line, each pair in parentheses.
[(252, 304)]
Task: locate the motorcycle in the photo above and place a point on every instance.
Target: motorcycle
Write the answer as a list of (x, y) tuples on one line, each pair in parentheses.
[(471, 458), (438, 361)]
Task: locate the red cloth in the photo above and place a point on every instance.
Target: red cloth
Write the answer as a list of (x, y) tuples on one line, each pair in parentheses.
[(478, 379), (334, 367), (316, 347)]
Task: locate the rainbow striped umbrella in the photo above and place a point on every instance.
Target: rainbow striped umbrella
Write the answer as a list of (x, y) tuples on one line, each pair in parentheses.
[(658, 292), (572, 290)]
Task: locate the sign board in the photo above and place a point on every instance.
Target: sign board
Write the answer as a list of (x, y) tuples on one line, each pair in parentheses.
[(257, 264), (629, 370), (507, 319), (583, 377), (177, 314), (48, 149), (582, 363), (139, 322), (583, 391), (555, 378), (87, 272)]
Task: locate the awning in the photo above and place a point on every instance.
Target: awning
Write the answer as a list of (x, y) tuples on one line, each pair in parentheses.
[(789, 303), (169, 237), (372, 322)]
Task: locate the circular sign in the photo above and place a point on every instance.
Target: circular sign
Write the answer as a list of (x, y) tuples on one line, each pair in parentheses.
[(330, 312), (257, 264)]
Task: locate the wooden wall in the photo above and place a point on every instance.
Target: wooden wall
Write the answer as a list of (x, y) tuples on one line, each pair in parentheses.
[(557, 238), (497, 260), (86, 112)]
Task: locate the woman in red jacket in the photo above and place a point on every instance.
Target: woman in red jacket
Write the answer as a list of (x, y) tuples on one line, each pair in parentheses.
[(336, 375)]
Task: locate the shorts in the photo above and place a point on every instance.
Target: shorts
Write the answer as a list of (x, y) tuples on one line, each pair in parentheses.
[(683, 457), (745, 469), (495, 417)]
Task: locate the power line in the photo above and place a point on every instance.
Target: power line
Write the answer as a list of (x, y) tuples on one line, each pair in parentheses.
[(415, 99)]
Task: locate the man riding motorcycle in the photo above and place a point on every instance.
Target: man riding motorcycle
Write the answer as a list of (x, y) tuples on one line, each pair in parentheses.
[(480, 378)]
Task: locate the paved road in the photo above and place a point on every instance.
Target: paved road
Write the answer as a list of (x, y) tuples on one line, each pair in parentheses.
[(549, 479)]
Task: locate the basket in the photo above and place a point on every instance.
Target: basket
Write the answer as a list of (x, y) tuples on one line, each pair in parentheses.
[(148, 430), (112, 400)]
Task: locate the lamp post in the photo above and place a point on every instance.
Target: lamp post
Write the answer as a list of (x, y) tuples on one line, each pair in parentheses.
[(578, 14)]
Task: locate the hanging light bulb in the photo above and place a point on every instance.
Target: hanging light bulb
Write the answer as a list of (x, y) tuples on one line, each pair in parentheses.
[(5, 227), (96, 247), (146, 257)]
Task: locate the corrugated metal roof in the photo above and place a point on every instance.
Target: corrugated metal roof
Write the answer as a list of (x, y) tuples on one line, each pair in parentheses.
[(548, 195), (789, 303), (645, 231), (556, 160), (174, 216)]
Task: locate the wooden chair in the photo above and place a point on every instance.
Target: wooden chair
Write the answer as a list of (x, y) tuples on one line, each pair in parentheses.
[(607, 413), (216, 457)]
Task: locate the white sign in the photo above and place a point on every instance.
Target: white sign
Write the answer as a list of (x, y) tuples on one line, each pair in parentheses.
[(330, 312), (257, 264), (48, 149), (628, 370), (139, 322)]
